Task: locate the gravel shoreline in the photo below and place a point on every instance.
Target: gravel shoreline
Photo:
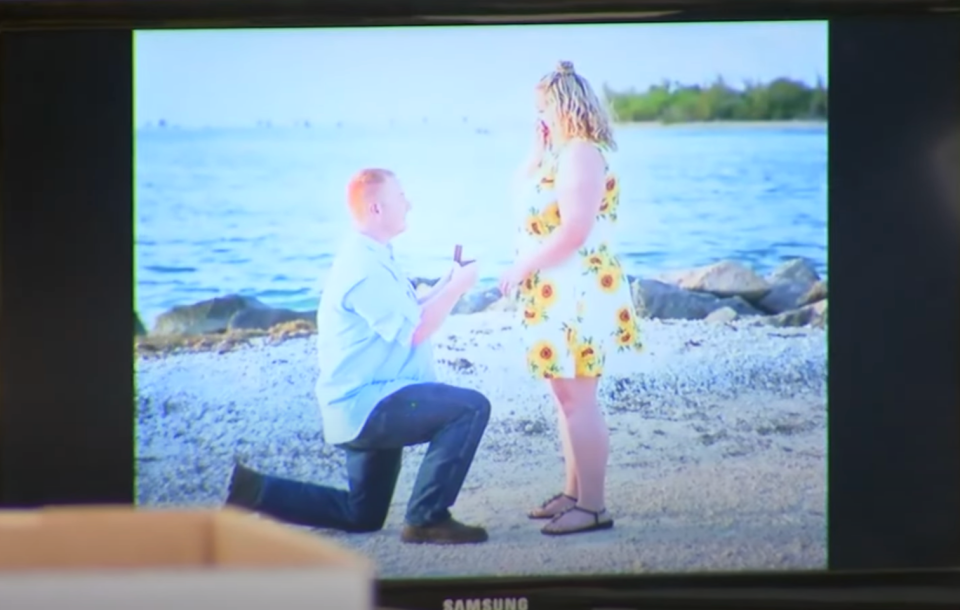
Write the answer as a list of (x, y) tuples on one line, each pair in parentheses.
[(718, 447)]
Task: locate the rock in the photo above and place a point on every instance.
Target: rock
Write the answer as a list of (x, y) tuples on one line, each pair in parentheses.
[(502, 304), (820, 313), (739, 305), (671, 277), (659, 300), (809, 315), (792, 318), (475, 302), (418, 282), (784, 296), (791, 285), (722, 315), (231, 343), (817, 292), (487, 299), (794, 270), (265, 319), (293, 328), (210, 316), (139, 329), (725, 279)]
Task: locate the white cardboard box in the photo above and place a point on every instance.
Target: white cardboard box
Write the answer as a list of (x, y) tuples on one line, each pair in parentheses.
[(106, 558)]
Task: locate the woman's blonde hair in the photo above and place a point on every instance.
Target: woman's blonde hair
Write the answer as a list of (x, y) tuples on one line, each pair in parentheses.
[(580, 111)]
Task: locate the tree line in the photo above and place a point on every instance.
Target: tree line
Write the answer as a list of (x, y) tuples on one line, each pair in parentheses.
[(782, 99)]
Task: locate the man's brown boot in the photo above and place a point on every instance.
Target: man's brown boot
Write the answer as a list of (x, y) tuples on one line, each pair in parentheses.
[(450, 531)]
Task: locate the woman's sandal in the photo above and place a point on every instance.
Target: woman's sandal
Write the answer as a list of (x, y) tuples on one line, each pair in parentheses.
[(597, 524), (553, 507)]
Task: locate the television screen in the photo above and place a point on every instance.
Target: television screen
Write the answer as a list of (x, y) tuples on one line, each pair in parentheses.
[(572, 278)]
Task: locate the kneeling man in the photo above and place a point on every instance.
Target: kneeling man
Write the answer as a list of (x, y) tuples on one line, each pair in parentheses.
[(378, 391)]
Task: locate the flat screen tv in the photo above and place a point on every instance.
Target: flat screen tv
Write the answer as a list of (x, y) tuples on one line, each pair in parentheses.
[(533, 305)]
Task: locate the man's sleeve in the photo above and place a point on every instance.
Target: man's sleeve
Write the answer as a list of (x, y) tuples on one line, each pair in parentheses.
[(385, 304)]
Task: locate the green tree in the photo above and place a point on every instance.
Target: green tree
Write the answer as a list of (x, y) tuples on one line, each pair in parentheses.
[(782, 99)]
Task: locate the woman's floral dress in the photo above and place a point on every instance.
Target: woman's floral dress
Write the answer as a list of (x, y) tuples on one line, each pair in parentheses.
[(575, 315)]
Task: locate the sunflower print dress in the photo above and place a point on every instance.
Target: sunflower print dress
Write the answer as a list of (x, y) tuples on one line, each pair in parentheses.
[(574, 316)]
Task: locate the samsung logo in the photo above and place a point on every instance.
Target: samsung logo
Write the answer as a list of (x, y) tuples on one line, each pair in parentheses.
[(493, 603)]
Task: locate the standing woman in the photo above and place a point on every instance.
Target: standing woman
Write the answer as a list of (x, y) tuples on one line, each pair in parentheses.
[(574, 300)]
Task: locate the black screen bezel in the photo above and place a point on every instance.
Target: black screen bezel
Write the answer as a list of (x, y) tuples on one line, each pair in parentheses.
[(16, 424), (174, 14)]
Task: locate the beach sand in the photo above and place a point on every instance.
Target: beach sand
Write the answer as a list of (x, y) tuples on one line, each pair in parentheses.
[(718, 448)]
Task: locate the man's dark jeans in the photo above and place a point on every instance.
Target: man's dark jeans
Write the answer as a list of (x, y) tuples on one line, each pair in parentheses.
[(451, 419)]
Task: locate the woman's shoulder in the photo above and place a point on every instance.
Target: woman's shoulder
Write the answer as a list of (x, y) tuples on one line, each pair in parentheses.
[(583, 153), (580, 144)]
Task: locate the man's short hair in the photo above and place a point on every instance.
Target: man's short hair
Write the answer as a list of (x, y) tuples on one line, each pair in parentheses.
[(362, 187)]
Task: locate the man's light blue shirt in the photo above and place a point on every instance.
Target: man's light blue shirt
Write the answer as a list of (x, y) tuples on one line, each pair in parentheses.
[(365, 324)]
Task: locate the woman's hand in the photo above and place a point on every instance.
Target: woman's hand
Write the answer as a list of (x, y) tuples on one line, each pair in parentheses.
[(541, 144), (543, 140), (513, 277)]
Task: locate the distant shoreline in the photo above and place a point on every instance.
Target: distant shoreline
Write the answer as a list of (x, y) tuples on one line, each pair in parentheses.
[(724, 124)]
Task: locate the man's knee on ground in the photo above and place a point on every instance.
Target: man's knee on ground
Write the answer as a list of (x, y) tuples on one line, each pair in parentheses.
[(367, 524), (365, 516)]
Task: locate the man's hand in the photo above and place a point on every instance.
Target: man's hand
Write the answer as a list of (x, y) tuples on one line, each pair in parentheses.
[(440, 285), (448, 276), (464, 277), (435, 309)]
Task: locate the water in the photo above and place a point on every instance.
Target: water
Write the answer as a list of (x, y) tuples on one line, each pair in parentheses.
[(260, 211)]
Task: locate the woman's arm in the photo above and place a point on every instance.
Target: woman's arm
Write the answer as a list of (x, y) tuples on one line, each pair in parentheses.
[(581, 178)]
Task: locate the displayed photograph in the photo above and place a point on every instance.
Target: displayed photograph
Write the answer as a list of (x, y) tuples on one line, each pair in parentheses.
[(493, 300)]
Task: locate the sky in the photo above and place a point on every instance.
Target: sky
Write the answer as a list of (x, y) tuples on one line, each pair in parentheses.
[(487, 73)]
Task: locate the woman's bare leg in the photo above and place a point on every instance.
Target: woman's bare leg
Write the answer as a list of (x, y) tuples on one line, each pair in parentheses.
[(589, 445), (571, 491), (570, 485)]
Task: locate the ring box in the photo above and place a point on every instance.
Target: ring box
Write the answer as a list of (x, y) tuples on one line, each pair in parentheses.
[(458, 256)]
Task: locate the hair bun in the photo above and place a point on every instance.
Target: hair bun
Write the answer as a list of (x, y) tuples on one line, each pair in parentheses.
[(565, 67)]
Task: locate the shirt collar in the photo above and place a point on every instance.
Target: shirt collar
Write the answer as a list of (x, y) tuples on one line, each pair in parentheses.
[(378, 248)]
